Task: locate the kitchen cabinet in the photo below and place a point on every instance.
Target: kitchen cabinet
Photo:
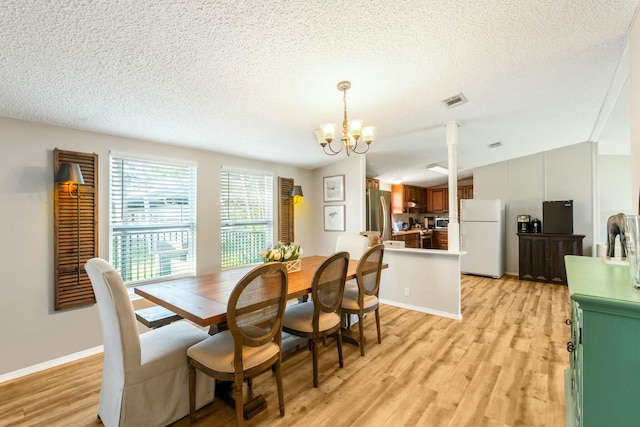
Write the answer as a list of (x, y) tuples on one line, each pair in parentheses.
[(373, 183), (602, 382), (437, 200), (464, 192), (411, 239), (397, 198), (441, 239), (404, 196), (541, 256)]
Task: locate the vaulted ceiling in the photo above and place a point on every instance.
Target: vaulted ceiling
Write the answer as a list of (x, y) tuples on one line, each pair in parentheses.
[(257, 78)]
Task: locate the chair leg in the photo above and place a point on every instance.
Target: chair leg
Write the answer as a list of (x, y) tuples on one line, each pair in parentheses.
[(378, 326), (339, 342), (361, 330), (237, 396), (314, 357), (192, 394), (279, 385)]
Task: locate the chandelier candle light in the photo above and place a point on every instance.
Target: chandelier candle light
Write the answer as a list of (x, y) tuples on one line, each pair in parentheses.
[(350, 133)]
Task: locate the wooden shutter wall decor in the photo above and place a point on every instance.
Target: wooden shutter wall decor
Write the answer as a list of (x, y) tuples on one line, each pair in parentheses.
[(285, 210), (72, 284)]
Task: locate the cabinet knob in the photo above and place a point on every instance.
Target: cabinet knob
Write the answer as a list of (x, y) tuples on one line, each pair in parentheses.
[(568, 322), (570, 347)]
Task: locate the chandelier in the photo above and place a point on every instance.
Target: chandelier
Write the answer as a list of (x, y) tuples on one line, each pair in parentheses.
[(351, 134)]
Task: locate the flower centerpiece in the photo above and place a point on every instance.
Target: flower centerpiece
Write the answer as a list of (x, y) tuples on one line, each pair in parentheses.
[(289, 254)]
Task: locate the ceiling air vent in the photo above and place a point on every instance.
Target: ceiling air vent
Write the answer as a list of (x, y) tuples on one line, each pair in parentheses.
[(495, 145), (455, 100)]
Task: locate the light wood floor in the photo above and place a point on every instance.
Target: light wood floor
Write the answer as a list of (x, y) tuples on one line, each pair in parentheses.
[(502, 365)]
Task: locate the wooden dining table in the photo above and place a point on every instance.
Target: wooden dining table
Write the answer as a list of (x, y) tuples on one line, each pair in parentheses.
[(203, 299)]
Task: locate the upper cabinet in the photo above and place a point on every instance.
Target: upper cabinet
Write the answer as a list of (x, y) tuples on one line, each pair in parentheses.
[(437, 200), (373, 183), (438, 197), (408, 199)]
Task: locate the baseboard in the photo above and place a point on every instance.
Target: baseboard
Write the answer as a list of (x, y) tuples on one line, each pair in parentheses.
[(423, 310), (50, 364)]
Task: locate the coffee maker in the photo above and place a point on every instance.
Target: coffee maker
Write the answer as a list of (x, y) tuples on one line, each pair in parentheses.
[(536, 226), (524, 223)]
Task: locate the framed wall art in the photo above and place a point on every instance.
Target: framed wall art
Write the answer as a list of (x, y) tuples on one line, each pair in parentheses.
[(334, 218), (333, 188)]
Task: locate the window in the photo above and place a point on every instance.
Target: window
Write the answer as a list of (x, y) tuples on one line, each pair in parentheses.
[(152, 226), (246, 216)]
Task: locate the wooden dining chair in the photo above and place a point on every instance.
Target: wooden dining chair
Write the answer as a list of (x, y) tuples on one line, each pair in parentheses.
[(364, 298), (253, 342), (320, 317)]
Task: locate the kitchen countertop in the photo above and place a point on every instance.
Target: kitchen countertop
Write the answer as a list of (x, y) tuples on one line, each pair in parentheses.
[(402, 233)]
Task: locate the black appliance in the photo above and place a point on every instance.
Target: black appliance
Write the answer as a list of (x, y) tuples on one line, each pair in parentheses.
[(557, 217), (524, 224), (536, 225)]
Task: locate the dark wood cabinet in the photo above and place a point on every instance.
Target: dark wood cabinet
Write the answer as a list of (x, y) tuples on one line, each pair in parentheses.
[(541, 256)]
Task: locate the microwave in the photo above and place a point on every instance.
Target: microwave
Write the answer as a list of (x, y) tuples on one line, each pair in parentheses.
[(442, 222)]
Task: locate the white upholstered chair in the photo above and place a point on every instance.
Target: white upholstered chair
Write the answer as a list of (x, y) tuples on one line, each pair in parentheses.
[(364, 298), (355, 244), (145, 378)]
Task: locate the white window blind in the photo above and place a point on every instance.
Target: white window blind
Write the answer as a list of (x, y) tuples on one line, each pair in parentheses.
[(152, 225), (246, 214)]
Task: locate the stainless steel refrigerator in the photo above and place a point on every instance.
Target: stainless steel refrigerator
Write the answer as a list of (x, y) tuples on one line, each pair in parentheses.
[(482, 237), (379, 212)]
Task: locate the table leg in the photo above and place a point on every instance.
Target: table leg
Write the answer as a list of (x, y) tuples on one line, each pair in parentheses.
[(253, 405)]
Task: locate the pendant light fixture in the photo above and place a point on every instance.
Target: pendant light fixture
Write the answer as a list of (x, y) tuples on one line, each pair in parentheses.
[(351, 133)]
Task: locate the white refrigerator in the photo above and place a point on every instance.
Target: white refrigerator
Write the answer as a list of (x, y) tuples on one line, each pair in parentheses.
[(482, 237)]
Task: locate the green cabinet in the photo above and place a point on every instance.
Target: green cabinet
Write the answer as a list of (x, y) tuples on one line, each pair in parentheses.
[(602, 383)]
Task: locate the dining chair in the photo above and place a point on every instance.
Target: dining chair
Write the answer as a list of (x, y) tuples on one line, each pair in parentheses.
[(253, 342), (355, 244), (320, 317), (364, 298), (144, 377)]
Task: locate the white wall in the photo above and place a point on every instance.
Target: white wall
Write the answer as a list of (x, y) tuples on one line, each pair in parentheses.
[(354, 169), (634, 113), (31, 332), (524, 183), (614, 188)]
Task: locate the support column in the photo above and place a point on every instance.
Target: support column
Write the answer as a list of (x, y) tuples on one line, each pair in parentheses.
[(452, 146)]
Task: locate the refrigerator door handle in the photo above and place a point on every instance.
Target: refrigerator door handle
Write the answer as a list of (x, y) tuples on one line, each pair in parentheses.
[(385, 220)]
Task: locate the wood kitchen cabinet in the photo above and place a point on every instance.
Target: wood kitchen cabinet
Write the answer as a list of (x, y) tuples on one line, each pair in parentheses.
[(438, 200), (541, 256), (397, 198), (410, 239), (402, 196), (441, 239), (373, 183)]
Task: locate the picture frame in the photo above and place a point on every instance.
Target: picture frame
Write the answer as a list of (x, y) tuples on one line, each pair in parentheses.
[(333, 188), (334, 218)]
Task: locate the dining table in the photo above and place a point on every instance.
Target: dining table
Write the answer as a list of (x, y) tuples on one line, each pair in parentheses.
[(203, 300)]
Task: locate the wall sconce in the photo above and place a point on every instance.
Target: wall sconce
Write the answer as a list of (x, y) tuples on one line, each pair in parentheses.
[(69, 174), (296, 193)]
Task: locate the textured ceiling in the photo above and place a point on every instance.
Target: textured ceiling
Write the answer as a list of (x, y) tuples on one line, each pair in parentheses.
[(256, 78)]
